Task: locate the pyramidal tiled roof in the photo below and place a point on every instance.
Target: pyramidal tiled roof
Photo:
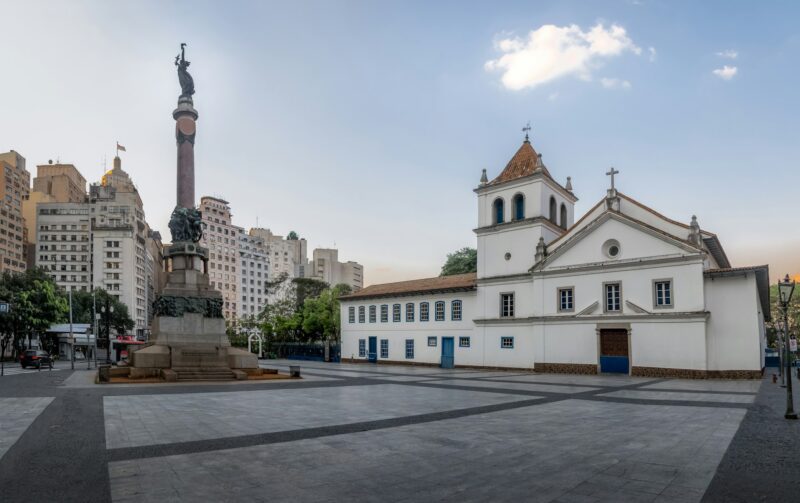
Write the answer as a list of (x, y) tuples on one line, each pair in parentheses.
[(524, 163)]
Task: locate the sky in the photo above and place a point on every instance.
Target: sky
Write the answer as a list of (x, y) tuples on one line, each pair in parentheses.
[(365, 125)]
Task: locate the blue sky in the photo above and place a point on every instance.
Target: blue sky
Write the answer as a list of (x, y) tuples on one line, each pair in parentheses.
[(366, 124)]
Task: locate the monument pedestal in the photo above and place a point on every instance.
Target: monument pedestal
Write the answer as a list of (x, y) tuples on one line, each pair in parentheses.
[(188, 332)]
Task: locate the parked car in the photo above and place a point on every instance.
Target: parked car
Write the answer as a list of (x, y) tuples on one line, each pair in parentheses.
[(36, 358)]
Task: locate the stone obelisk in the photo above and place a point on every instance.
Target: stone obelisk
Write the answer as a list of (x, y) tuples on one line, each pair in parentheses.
[(189, 339)]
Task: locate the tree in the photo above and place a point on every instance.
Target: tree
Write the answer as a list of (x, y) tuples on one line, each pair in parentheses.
[(776, 312), (461, 262), (35, 303), (305, 288), (321, 315), (83, 311)]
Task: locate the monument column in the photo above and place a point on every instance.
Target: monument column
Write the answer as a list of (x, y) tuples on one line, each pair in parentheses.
[(185, 127)]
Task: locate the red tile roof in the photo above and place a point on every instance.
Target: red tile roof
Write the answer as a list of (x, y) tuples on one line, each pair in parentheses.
[(521, 165), (456, 282)]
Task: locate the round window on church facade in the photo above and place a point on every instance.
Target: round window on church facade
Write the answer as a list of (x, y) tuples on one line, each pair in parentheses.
[(611, 248)]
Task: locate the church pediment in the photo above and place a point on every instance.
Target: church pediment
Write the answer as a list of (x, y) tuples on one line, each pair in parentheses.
[(611, 238)]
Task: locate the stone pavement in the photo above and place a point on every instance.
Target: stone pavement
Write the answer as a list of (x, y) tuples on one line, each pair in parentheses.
[(394, 433)]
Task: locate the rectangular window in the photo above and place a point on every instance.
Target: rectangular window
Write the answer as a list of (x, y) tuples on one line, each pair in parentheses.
[(362, 348), (396, 313), (384, 313), (424, 311), (432, 342), (409, 349), (410, 311), (372, 316), (506, 305), (566, 299), (361, 314), (507, 342), (613, 302), (384, 348), (351, 314), (663, 293), (463, 342), (439, 311), (455, 310)]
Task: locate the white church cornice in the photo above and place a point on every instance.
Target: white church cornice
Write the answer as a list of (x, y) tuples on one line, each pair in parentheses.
[(616, 318), (620, 264), (525, 180), (516, 224)]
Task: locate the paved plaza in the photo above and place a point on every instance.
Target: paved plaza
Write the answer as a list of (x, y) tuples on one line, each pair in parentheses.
[(396, 433)]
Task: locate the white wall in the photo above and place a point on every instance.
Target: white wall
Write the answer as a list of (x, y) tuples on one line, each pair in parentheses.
[(677, 344), (734, 330), (637, 287), (419, 331)]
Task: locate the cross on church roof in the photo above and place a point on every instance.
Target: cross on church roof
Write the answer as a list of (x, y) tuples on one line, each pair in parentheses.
[(526, 129), (611, 173)]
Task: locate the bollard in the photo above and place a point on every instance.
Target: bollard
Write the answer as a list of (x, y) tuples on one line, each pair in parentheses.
[(774, 379), (294, 370)]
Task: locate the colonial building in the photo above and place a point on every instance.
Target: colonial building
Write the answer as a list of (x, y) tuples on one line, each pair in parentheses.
[(622, 289)]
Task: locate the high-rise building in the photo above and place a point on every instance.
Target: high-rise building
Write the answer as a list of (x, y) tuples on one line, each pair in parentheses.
[(254, 266), (286, 256), (54, 183), (326, 267), (14, 189), (95, 241), (221, 238)]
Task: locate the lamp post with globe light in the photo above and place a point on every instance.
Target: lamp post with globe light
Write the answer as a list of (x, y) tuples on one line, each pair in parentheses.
[(785, 290)]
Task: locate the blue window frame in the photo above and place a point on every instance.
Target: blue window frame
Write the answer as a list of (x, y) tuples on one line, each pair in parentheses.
[(439, 310), (351, 314), (507, 342), (499, 213), (362, 348), (384, 313), (432, 342), (410, 311), (384, 348), (424, 311), (396, 313), (410, 349), (372, 316), (519, 207), (455, 310), (361, 314), (463, 342)]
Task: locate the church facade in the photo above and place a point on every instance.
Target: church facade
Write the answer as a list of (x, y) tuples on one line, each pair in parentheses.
[(623, 289)]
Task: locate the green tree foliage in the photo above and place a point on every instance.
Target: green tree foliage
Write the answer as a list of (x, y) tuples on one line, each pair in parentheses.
[(306, 288), (321, 315), (461, 262), (83, 311), (35, 303)]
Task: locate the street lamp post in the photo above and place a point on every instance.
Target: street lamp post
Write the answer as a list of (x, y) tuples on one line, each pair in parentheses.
[(107, 311), (785, 290)]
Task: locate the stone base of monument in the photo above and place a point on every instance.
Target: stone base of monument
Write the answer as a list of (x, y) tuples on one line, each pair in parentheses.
[(189, 342)]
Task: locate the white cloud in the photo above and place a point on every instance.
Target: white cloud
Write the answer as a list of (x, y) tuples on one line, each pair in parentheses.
[(726, 72), (653, 54), (728, 54), (551, 52), (610, 83)]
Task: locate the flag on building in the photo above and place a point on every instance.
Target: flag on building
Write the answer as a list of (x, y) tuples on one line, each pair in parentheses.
[(120, 147)]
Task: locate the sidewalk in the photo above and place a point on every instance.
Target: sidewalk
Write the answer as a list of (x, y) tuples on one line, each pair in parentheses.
[(763, 460)]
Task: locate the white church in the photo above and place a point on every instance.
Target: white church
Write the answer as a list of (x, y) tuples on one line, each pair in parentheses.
[(623, 289)]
